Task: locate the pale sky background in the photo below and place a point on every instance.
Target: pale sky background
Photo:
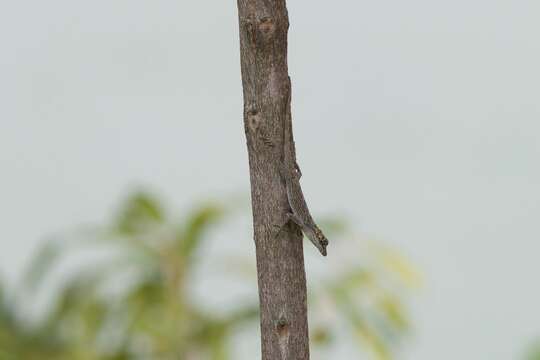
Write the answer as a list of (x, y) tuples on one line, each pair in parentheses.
[(419, 119)]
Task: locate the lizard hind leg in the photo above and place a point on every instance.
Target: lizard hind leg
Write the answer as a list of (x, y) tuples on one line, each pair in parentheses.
[(294, 218), (279, 227), (291, 217)]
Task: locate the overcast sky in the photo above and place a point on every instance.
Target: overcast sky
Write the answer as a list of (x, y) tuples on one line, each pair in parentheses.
[(418, 119)]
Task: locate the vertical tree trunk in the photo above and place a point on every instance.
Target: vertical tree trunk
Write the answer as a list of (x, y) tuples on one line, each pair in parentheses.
[(280, 262)]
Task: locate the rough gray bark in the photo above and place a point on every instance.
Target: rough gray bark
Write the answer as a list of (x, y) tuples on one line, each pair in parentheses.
[(280, 262)]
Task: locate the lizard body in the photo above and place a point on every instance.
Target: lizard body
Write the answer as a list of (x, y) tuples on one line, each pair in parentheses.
[(290, 172)]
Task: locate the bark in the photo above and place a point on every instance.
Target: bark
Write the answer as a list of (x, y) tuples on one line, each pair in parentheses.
[(280, 262)]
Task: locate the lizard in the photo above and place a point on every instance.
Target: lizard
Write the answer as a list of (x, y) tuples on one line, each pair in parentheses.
[(291, 174)]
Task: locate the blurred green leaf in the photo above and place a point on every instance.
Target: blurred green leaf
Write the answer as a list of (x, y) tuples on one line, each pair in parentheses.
[(197, 224), (399, 265), (321, 336), (333, 226), (4, 311), (41, 264), (137, 304), (245, 314), (362, 328), (394, 312), (373, 312), (139, 212), (534, 352)]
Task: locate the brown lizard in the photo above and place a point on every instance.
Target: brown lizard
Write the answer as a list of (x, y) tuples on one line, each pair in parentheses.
[(290, 172)]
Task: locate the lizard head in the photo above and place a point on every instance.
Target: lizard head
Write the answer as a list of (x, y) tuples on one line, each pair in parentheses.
[(319, 240)]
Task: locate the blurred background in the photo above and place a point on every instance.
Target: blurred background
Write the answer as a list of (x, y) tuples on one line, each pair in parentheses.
[(124, 192)]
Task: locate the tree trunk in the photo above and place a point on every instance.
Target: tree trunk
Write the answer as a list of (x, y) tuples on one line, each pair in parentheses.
[(280, 261)]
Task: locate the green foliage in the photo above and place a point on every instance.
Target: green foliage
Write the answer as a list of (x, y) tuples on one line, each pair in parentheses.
[(139, 213), (46, 257), (196, 225), (369, 301), (137, 304), (534, 352)]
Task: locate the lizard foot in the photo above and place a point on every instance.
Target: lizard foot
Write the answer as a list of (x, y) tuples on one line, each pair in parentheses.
[(290, 218)]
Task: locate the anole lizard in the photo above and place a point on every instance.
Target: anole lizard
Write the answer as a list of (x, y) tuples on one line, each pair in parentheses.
[(291, 174)]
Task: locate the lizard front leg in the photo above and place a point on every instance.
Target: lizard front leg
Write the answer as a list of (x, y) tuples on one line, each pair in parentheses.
[(294, 218), (291, 217), (281, 226), (288, 174)]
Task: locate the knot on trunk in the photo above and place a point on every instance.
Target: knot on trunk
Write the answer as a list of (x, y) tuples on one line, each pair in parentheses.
[(282, 327), (267, 27)]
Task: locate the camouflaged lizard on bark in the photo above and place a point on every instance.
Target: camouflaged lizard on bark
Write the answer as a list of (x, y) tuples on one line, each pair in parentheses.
[(290, 172)]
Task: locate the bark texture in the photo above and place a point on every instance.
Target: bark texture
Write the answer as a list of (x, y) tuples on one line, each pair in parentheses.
[(280, 261)]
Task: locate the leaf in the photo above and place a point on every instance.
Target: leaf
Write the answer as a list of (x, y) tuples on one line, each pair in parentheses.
[(534, 352), (350, 282), (196, 226), (7, 315), (121, 355), (79, 292), (361, 326), (239, 266), (397, 263), (139, 212), (357, 277), (394, 312), (148, 292), (333, 226), (245, 314), (375, 315), (41, 264), (374, 343), (321, 336)]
